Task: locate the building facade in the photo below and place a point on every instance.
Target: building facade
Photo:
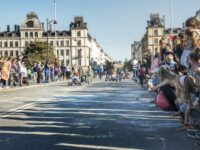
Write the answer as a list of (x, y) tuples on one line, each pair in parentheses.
[(150, 40), (74, 47), (136, 50), (155, 31)]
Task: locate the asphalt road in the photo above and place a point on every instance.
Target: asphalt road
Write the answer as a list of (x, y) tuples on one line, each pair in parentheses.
[(103, 115)]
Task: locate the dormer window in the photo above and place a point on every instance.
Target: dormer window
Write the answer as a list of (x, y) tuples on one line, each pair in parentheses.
[(30, 24)]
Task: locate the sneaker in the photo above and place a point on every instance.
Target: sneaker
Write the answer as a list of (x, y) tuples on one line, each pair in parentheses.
[(192, 130), (191, 135), (194, 135), (197, 134)]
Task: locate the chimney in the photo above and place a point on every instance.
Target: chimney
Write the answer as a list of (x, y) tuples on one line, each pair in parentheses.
[(8, 28), (15, 28), (18, 28)]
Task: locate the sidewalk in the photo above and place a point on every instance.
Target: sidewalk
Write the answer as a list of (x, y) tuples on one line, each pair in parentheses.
[(32, 84)]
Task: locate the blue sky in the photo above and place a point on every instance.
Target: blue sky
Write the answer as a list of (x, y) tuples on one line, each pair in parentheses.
[(114, 23)]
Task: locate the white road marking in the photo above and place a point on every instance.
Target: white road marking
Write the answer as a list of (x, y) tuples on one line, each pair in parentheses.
[(27, 106), (95, 147)]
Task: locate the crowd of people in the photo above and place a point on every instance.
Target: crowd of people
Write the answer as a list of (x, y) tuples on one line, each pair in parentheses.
[(14, 72), (174, 73)]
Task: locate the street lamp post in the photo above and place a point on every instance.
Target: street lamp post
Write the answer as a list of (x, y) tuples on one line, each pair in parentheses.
[(171, 16), (55, 27), (47, 38), (48, 22)]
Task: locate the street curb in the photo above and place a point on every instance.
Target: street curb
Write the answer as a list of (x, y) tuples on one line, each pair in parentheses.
[(30, 86), (42, 85)]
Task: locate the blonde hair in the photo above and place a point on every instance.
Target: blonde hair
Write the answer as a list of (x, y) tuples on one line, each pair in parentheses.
[(169, 57), (192, 22)]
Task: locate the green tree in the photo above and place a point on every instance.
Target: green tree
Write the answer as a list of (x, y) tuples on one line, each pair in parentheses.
[(108, 65), (127, 65), (37, 52)]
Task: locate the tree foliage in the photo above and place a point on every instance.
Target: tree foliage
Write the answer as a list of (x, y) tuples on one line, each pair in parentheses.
[(127, 65), (38, 52), (108, 65)]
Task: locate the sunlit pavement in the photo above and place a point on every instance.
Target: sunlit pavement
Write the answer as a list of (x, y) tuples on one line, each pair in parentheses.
[(103, 115)]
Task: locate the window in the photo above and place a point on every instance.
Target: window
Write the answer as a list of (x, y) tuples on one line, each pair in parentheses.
[(11, 53), (30, 24), (11, 43), (79, 34), (67, 52), (67, 62), (79, 53), (26, 43), (156, 41), (57, 52), (62, 53), (156, 32), (61, 43), (51, 43), (31, 34), (79, 43), (62, 62), (36, 34), (16, 44), (5, 44), (0, 44), (156, 50), (16, 53), (79, 62), (26, 34), (57, 43), (6, 53), (67, 43)]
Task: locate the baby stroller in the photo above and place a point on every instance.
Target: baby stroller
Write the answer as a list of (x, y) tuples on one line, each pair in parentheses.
[(74, 81)]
